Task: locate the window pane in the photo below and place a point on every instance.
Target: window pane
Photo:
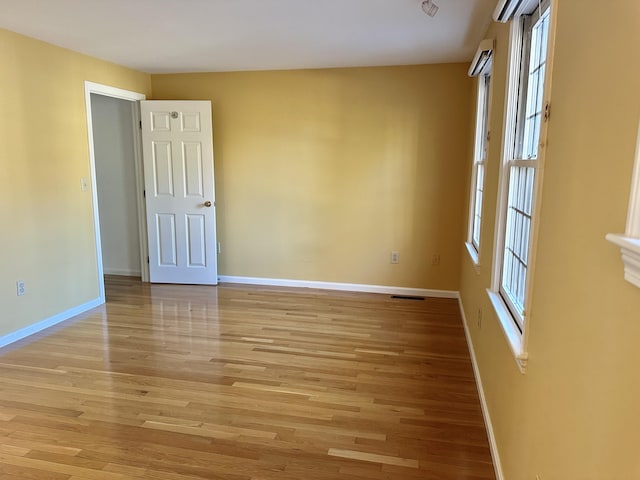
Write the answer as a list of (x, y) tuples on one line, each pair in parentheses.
[(518, 229), (530, 130), (484, 129), (480, 156), (478, 205)]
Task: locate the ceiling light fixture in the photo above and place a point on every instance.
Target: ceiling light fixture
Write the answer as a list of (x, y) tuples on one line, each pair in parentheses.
[(429, 8)]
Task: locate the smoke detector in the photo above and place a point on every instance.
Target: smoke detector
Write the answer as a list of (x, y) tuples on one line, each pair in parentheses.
[(429, 8)]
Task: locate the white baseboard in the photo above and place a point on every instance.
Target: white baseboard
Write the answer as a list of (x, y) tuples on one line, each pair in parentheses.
[(495, 455), (346, 287), (49, 322), (121, 272)]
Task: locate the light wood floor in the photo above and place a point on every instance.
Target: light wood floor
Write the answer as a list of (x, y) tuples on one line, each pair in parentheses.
[(244, 383)]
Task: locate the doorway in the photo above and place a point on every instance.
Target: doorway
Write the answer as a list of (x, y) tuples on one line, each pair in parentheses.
[(116, 182), (114, 149)]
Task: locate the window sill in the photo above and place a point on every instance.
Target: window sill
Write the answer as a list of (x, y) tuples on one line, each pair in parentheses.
[(474, 256), (630, 248), (511, 332)]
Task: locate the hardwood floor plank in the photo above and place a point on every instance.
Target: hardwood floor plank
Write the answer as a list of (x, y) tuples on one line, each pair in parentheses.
[(373, 457), (174, 382)]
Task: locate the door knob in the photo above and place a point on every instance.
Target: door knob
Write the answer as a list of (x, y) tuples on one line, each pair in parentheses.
[(207, 203)]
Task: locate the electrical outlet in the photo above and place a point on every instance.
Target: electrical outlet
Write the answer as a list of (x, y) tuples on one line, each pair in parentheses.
[(395, 257), (20, 288), (479, 318), (435, 260), (219, 247), (84, 184)]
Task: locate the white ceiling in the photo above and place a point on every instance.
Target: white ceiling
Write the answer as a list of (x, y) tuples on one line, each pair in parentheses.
[(161, 36)]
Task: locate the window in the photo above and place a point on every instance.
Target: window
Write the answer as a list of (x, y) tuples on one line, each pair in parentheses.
[(479, 159), (524, 119), (629, 242)]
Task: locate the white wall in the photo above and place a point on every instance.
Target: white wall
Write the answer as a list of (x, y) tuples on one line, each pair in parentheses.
[(115, 174)]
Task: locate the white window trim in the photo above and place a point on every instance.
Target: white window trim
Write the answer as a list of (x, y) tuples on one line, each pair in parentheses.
[(475, 256), (516, 339), (481, 118), (629, 242)]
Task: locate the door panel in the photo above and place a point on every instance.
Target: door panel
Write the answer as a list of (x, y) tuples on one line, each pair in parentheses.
[(196, 234), (180, 196), (167, 253), (192, 158), (190, 122), (162, 168), (160, 121)]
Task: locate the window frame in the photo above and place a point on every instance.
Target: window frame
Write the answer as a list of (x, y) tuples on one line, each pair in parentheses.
[(629, 242), (480, 154), (516, 329)]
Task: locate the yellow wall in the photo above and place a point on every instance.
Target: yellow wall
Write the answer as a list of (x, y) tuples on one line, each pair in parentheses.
[(47, 235), (320, 174), (575, 413)]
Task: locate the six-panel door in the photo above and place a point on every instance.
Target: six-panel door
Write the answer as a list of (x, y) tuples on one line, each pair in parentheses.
[(179, 188)]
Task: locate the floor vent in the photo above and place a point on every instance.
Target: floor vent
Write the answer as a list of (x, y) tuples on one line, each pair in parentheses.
[(407, 297)]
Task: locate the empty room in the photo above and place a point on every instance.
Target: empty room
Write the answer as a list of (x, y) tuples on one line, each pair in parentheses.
[(294, 239)]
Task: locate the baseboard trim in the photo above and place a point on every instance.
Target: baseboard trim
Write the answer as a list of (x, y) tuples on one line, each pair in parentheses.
[(495, 455), (49, 322), (346, 287), (122, 272)]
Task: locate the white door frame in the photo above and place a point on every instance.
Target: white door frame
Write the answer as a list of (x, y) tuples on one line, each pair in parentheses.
[(107, 91)]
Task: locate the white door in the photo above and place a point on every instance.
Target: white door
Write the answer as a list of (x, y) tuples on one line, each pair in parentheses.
[(177, 150)]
